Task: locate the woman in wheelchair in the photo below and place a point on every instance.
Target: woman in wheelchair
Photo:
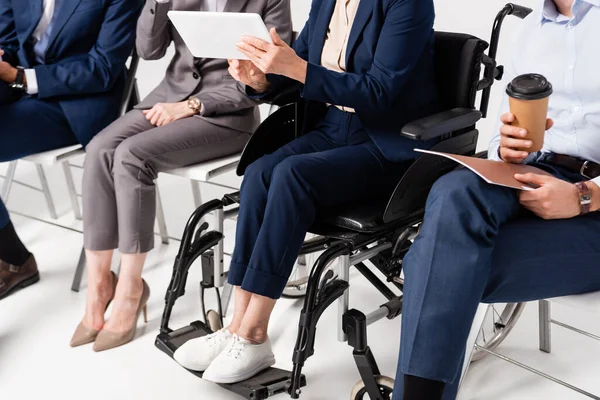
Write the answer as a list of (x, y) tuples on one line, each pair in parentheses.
[(365, 68)]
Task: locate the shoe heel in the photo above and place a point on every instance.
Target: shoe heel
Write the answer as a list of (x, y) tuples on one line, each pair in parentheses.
[(145, 310)]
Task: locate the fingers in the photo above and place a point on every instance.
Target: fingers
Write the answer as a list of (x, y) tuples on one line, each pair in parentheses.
[(1, 52), (530, 178), (509, 142), (149, 113), (275, 38), (155, 118), (513, 156), (256, 61), (257, 43), (507, 118), (549, 123)]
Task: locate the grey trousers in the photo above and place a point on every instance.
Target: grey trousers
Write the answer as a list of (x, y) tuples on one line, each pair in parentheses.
[(122, 162)]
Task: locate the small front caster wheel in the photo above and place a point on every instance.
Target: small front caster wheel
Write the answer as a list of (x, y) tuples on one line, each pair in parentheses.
[(213, 320), (386, 387)]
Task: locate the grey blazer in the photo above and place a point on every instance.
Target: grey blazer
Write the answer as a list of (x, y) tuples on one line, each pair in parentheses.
[(225, 101)]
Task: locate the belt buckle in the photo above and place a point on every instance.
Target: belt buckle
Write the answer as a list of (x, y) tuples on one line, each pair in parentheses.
[(583, 168)]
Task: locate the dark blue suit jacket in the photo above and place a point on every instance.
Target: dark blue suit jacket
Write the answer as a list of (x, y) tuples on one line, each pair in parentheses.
[(390, 68), (85, 59)]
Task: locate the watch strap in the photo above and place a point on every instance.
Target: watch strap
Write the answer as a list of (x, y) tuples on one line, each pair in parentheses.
[(585, 197), (19, 83)]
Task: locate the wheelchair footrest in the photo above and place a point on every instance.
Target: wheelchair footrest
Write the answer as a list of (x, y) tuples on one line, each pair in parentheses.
[(268, 383)]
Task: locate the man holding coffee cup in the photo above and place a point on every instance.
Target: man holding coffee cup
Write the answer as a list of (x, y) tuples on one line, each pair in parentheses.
[(486, 243)]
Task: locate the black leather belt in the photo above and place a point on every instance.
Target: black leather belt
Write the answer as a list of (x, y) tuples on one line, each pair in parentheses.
[(588, 169)]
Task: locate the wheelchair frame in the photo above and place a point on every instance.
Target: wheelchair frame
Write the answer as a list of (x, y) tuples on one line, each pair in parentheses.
[(384, 248)]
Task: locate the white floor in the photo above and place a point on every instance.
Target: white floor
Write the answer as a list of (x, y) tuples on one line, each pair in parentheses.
[(36, 324)]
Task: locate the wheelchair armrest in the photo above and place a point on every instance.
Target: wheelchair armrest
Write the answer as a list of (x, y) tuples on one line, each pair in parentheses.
[(278, 129), (440, 124)]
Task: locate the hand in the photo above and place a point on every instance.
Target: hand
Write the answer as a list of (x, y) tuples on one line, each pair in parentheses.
[(553, 199), (8, 73), (277, 58), (165, 113), (247, 73), (512, 139)]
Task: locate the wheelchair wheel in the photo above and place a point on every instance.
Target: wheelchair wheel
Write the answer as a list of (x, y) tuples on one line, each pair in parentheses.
[(386, 387), (501, 319), (213, 320)]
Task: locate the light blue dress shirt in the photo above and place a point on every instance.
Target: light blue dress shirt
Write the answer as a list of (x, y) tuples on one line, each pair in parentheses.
[(567, 52)]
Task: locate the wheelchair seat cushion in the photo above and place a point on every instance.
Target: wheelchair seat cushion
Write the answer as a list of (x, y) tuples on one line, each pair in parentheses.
[(363, 217)]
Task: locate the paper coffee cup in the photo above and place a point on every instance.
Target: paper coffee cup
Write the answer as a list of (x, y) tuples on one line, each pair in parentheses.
[(529, 96)]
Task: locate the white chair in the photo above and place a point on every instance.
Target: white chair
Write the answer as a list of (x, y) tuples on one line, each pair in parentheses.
[(588, 302), (206, 173), (49, 158)]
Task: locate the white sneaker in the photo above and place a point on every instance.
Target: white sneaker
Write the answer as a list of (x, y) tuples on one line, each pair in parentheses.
[(197, 354), (239, 361)]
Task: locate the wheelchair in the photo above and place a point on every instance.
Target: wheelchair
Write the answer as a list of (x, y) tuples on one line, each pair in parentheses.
[(379, 231)]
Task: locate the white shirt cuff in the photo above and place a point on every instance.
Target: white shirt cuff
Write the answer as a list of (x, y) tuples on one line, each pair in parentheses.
[(596, 181), (32, 85), (493, 153)]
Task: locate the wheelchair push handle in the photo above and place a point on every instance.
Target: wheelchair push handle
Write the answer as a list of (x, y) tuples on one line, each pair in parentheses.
[(519, 11), (492, 70)]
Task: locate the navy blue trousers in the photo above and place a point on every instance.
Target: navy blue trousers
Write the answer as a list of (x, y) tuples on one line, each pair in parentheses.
[(281, 193), (477, 244), (29, 126)]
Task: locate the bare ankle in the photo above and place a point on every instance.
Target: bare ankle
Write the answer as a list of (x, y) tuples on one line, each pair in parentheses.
[(253, 335)]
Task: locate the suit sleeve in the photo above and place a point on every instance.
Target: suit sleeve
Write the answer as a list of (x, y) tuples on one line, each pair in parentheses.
[(232, 97), (403, 39), (154, 30), (98, 70), (8, 34)]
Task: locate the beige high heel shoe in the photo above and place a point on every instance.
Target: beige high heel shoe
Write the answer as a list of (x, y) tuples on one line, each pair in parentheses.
[(108, 340), (83, 334)]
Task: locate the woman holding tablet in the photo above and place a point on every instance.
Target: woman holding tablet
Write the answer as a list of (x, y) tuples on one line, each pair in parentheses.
[(197, 113), (368, 66)]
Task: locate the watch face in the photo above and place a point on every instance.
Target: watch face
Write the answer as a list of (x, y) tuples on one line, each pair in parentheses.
[(194, 104), (585, 199)]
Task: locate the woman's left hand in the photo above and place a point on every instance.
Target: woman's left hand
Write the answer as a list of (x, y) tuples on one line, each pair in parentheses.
[(276, 58), (165, 113)]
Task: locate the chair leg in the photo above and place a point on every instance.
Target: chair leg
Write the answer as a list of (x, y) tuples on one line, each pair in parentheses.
[(76, 285), (344, 300), (8, 181), (72, 191), (160, 217), (46, 190), (478, 322), (545, 326), (196, 193)]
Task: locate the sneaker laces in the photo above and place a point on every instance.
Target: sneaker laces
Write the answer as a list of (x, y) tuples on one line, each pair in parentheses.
[(216, 337), (237, 346)]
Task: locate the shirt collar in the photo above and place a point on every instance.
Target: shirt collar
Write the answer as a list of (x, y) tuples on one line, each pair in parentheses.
[(551, 14)]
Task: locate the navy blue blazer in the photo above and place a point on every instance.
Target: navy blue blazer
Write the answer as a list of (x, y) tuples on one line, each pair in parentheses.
[(389, 77), (85, 60)]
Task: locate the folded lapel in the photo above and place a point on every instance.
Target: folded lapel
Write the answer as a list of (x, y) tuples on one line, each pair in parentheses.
[(65, 11), (320, 27), (363, 15), (235, 5), (37, 9)]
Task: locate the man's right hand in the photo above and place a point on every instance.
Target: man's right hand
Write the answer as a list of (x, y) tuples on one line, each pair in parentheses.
[(247, 73), (512, 140)]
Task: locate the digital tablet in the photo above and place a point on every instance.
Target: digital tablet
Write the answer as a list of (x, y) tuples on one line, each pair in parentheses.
[(215, 34)]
